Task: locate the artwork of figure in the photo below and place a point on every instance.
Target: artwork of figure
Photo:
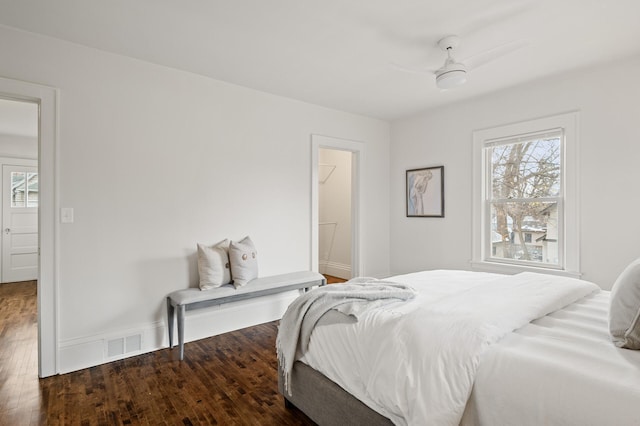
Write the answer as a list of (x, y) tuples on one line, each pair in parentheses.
[(425, 192), (419, 185)]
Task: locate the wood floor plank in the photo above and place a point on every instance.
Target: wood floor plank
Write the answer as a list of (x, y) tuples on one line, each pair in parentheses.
[(229, 379)]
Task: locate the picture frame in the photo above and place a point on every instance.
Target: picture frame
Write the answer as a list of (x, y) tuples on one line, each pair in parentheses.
[(425, 192)]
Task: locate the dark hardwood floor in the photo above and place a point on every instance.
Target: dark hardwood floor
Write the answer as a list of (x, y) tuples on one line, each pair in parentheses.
[(333, 280), (230, 379), (19, 387)]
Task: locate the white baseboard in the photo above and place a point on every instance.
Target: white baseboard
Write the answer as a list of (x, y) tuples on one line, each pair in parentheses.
[(335, 269), (76, 354)]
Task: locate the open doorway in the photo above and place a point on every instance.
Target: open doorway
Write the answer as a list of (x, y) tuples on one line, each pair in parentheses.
[(19, 268), (334, 212), (336, 166), (20, 190), (44, 100)]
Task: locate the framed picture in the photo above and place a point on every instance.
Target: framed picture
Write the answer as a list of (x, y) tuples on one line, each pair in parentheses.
[(425, 192)]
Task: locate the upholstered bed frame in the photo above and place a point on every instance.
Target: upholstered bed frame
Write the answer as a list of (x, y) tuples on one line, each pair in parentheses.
[(325, 402)]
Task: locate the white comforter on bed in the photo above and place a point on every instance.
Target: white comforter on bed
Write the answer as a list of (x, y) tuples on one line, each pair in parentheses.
[(572, 371), (415, 362)]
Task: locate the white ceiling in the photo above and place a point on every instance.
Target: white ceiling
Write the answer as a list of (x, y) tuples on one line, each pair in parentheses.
[(338, 53)]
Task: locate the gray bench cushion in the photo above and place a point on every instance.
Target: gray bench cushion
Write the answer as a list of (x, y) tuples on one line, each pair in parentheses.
[(194, 295)]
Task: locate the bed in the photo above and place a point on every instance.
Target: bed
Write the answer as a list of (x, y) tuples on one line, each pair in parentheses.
[(549, 360)]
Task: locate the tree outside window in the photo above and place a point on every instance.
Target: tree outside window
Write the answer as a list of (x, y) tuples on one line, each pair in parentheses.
[(524, 201)]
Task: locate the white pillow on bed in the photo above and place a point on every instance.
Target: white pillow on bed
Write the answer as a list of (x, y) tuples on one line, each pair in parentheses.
[(213, 265), (624, 312), (244, 261)]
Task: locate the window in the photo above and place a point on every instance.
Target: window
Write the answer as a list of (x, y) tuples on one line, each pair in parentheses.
[(525, 188), (24, 189), (525, 195)]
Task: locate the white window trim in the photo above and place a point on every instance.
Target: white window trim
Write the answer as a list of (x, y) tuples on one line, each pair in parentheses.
[(571, 247)]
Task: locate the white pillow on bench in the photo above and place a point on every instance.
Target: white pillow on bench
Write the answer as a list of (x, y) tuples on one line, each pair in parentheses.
[(244, 261), (213, 265)]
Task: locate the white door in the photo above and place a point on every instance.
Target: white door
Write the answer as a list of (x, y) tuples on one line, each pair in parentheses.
[(19, 223)]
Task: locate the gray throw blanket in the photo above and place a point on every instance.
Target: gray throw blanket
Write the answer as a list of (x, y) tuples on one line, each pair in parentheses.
[(351, 298)]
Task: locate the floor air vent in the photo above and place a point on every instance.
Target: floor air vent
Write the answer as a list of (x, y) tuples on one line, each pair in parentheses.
[(123, 345)]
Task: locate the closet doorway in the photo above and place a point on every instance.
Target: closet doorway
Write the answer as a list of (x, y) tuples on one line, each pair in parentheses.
[(335, 206), (334, 212)]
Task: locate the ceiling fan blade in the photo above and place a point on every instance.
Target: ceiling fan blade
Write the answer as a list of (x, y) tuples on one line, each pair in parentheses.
[(411, 70), (490, 55)]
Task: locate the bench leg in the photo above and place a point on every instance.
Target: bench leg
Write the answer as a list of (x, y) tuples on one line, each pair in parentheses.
[(181, 310), (170, 315)]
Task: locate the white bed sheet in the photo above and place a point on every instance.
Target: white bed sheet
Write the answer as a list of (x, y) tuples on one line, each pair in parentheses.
[(336, 356), (561, 369)]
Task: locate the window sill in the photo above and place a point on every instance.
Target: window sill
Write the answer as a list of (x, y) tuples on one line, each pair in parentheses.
[(503, 268)]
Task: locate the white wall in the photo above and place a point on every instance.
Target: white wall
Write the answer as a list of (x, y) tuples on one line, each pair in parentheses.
[(154, 160), (334, 200), (18, 146), (609, 148)]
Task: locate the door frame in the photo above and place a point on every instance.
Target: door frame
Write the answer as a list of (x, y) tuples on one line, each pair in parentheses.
[(357, 167), (48, 232)]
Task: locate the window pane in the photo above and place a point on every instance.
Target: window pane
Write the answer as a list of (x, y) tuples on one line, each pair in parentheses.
[(18, 189), (529, 169), (32, 190), (525, 231)]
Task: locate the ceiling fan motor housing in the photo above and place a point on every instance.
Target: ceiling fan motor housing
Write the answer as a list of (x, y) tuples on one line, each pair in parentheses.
[(451, 75)]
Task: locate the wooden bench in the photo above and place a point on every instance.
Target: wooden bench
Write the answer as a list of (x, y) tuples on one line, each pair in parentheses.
[(194, 298)]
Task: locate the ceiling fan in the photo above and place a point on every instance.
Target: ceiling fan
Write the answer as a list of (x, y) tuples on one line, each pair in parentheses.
[(453, 73)]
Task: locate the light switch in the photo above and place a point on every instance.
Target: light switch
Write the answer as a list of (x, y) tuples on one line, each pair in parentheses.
[(66, 215)]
